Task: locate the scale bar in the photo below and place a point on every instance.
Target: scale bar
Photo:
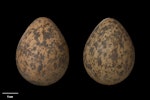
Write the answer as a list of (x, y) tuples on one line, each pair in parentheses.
[(10, 93)]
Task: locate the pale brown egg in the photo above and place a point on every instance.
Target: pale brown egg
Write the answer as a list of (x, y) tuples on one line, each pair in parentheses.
[(109, 53), (42, 54)]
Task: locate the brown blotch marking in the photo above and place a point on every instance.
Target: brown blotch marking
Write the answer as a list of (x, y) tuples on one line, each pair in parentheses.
[(101, 33), (114, 55), (36, 35), (48, 35), (88, 66), (100, 51), (104, 43), (96, 45), (52, 44), (121, 55), (26, 52), (92, 35), (26, 45), (121, 43), (94, 73), (34, 48), (23, 50), (62, 60), (32, 65), (127, 65), (36, 55), (119, 66), (105, 28), (49, 51), (118, 35), (99, 61), (131, 56), (105, 77), (125, 37), (26, 64), (55, 65), (61, 47), (42, 57), (40, 67), (38, 43), (120, 73), (44, 44), (24, 69), (32, 58), (105, 54), (126, 62), (43, 73), (47, 24), (39, 21), (92, 51)]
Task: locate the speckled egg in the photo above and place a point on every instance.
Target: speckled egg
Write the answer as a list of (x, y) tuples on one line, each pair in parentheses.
[(42, 55), (109, 53)]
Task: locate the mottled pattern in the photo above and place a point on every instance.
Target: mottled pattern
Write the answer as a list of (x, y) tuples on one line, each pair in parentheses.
[(109, 53), (42, 55)]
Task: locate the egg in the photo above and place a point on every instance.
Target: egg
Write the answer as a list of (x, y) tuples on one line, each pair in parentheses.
[(42, 54), (109, 53)]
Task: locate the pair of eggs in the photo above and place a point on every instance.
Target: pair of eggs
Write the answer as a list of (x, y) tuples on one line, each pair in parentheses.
[(42, 54)]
